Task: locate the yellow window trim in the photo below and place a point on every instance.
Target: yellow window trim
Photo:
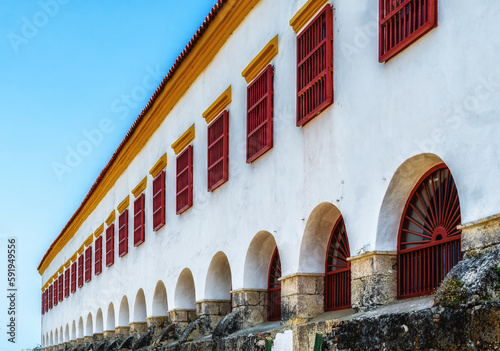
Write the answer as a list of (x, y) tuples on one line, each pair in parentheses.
[(184, 140), (111, 218), (80, 250), (218, 106), (158, 167), (261, 60), (306, 13), (123, 205), (89, 240), (73, 258), (67, 264), (201, 56), (99, 231), (140, 187), (60, 270)]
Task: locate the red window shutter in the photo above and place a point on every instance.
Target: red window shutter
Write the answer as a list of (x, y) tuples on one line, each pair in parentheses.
[(88, 264), (159, 201), (402, 22), (73, 277), (50, 297), (218, 151), (110, 245), (80, 271), (260, 96), (66, 282), (123, 233), (184, 180), (98, 256), (139, 220), (61, 287), (43, 303), (315, 67), (55, 293)]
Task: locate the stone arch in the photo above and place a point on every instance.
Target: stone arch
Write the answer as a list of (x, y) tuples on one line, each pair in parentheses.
[(257, 260), (402, 183), (66, 334), (160, 305), (123, 315), (218, 281), (316, 236), (110, 318), (184, 297), (99, 325), (79, 334), (140, 307), (89, 330), (56, 337), (73, 331)]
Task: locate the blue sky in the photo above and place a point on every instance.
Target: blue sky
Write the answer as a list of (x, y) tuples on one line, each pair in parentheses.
[(74, 75)]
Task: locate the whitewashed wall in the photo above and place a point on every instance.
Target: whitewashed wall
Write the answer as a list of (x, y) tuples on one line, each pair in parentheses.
[(436, 101)]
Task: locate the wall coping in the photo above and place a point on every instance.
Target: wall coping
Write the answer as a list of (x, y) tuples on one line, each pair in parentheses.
[(479, 222), (372, 253), (301, 275), (243, 290), (211, 300)]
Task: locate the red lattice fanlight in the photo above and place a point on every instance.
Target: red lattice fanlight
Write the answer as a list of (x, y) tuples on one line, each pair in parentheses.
[(429, 241), (274, 288), (338, 270)]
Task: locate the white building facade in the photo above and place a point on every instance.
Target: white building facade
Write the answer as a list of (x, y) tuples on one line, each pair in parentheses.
[(396, 99)]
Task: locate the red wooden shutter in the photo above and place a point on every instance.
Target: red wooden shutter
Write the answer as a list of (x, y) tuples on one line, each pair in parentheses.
[(159, 201), (50, 297), (260, 96), (315, 67), (98, 256), (184, 180), (139, 220), (88, 264), (55, 293), (43, 303), (80, 271), (123, 233), (61, 287), (110, 245), (66, 282), (402, 22), (218, 151), (73, 277)]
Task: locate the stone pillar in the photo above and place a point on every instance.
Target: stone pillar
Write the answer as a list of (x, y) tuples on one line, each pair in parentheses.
[(98, 337), (481, 236), (138, 328), (215, 310), (88, 339), (109, 334), (122, 332), (182, 317), (252, 303), (302, 297), (79, 341), (373, 279), (158, 323)]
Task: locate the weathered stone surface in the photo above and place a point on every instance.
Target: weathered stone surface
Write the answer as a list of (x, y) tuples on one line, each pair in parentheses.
[(478, 236), (157, 324), (302, 297), (122, 332), (138, 328), (127, 343), (143, 340)]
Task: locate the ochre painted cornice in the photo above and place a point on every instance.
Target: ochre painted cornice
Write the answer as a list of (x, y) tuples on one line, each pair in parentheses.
[(184, 140), (99, 231), (80, 250), (140, 187), (306, 13), (159, 166), (261, 60), (67, 264), (124, 204), (201, 55), (111, 218), (218, 106), (73, 258), (89, 240)]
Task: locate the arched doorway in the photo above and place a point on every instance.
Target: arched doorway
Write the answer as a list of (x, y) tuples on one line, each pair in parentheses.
[(274, 288), (428, 240), (338, 269)]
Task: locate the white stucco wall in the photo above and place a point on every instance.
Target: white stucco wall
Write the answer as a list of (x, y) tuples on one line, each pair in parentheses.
[(437, 100)]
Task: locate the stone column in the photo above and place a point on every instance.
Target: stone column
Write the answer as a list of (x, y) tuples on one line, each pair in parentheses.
[(109, 334), (215, 310), (158, 323), (373, 279), (122, 332), (252, 303), (138, 328), (88, 339), (481, 236), (98, 337), (302, 297), (182, 317), (79, 341)]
